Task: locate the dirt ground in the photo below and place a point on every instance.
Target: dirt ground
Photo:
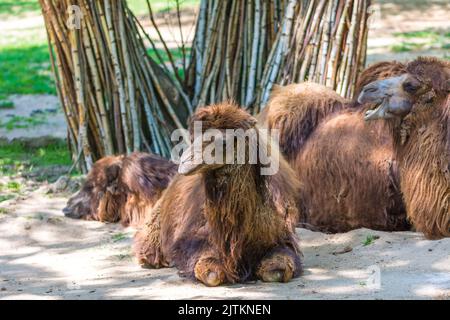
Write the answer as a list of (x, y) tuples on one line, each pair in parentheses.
[(44, 255)]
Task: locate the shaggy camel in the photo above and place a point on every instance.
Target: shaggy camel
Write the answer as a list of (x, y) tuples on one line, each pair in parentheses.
[(121, 188), (416, 106), (297, 109), (348, 174), (225, 223)]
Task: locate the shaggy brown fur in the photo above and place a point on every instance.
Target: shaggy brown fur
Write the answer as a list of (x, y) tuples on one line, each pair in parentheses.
[(225, 223), (121, 188), (421, 142), (349, 178), (295, 111), (348, 174), (143, 179)]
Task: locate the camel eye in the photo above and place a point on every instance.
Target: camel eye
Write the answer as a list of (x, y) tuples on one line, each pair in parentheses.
[(411, 87)]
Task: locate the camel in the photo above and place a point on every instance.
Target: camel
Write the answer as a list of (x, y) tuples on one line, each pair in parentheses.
[(349, 177), (225, 223), (416, 109), (121, 188)]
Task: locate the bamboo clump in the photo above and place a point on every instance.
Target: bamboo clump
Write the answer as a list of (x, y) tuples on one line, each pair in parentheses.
[(117, 99), (244, 47)]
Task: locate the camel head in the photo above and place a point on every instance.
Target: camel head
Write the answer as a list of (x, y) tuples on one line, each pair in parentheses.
[(213, 145), (101, 185), (426, 81)]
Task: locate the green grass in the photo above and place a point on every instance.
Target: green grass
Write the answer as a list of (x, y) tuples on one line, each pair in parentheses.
[(6, 197), (6, 105), (24, 58), (139, 7), (14, 186), (38, 216), (25, 70), (424, 34), (422, 40), (119, 237), (16, 158), (369, 240), (18, 8), (177, 56), (21, 122)]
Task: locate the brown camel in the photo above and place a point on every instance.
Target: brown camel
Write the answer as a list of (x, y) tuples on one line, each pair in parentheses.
[(347, 169), (416, 106), (121, 188), (225, 223)]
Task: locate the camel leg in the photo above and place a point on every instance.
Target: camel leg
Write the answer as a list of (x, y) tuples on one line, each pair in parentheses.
[(279, 265), (147, 242), (208, 270)]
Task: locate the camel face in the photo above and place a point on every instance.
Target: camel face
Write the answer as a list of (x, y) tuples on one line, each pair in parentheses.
[(218, 140), (394, 96), (100, 188), (423, 86), (80, 205)]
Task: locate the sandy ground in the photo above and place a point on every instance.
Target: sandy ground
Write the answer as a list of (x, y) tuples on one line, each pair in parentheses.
[(399, 16), (44, 255)]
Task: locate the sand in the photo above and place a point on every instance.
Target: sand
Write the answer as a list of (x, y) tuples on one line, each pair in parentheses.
[(44, 255)]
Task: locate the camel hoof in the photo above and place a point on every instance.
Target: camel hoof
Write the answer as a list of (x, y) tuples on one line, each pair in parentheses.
[(212, 279), (273, 276), (209, 273), (278, 268)]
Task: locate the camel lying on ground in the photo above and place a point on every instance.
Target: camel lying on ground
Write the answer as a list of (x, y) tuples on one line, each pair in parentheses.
[(416, 109), (225, 223), (121, 188), (348, 173)]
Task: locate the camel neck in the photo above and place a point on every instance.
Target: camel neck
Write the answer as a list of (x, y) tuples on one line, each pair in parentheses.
[(421, 146), (237, 212)]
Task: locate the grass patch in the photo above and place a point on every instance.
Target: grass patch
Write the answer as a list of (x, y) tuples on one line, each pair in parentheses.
[(18, 8), (14, 186), (25, 70), (15, 158), (177, 54), (118, 237), (38, 216), (6, 105), (422, 40), (139, 7), (3, 211), (424, 34), (407, 47), (369, 240), (6, 197), (21, 122)]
